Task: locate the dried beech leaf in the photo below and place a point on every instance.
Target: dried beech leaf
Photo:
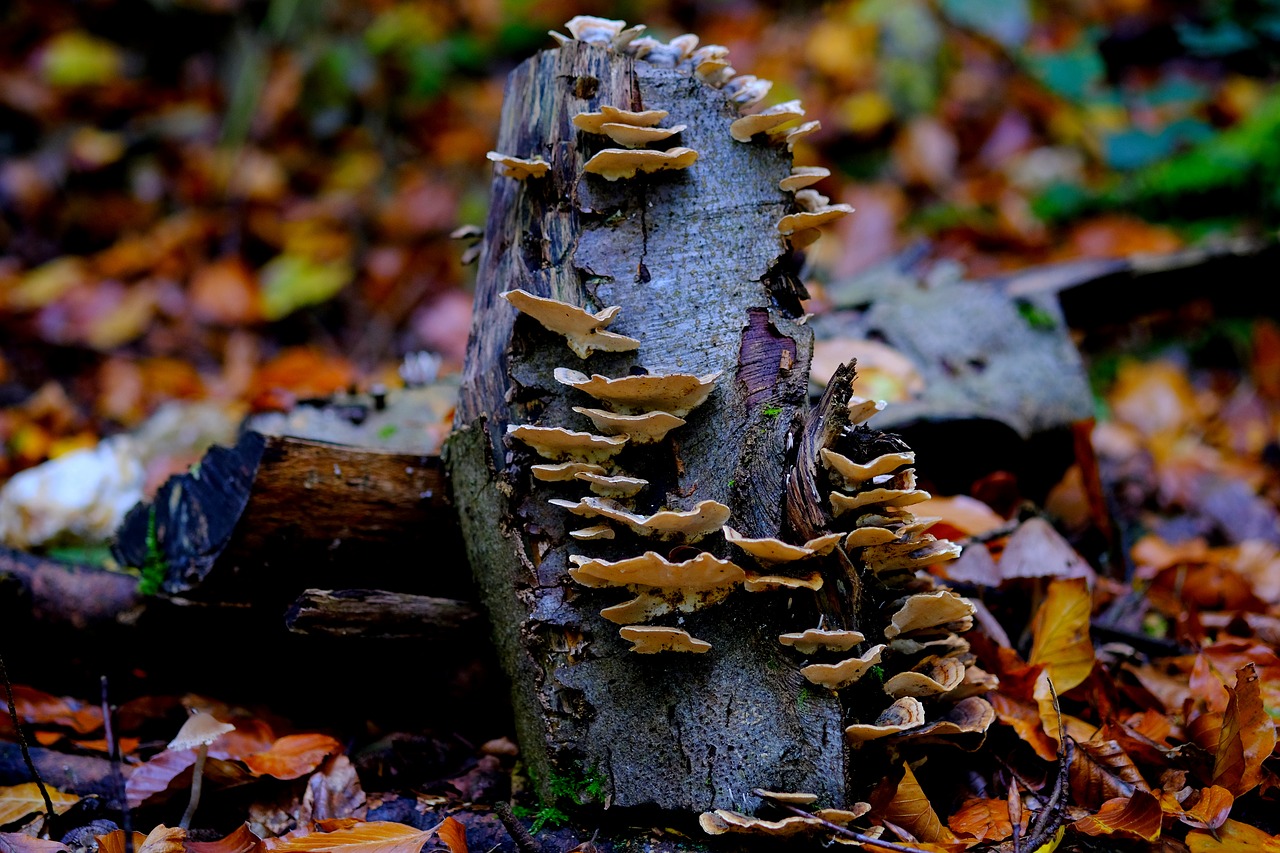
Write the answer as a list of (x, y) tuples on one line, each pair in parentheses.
[(454, 834), (113, 842), (984, 819), (16, 842), (1102, 771), (333, 792), (1247, 738), (1232, 837), (1211, 810), (910, 809), (1024, 717), (292, 756), (18, 801), (1061, 634), (375, 837), (241, 841), (37, 708), (164, 839), (170, 771), (1137, 816)]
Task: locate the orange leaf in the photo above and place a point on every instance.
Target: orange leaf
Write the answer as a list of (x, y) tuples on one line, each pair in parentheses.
[(36, 708), (1024, 717), (1232, 837), (909, 808), (985, 820), (1247, 738), (1061, 634), (163, 839), (1102, 771), (454, 834), (241, 841), (963, 515), (1211, 811), (1137, 816), (375, 837), (113, 842), (18, 801), (16, 842), (292, 756)]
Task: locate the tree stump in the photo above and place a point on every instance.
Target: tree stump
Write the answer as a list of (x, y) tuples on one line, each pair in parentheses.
[(696, 262)]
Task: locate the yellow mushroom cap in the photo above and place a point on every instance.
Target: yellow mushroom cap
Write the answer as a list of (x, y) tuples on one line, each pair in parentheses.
[(614, 163)]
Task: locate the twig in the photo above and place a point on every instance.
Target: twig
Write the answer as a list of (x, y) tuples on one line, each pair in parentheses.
[(117, 777), (525, 842), (26, 751), (1048, 819), (866, 840)]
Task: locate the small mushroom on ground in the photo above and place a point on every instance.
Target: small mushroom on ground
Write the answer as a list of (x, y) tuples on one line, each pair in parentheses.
[(810, 641), (595, 122), (851, 474), (660, 585), (931, 677), (198, 732), (906, 713), (614, 163), (812, 219), (803, 176), (839, 675), (593, 533), (929, 610), (613, 487), (748, 126), (636, 137), (564, 471), (683, 525), (583, 330), (519, 167), (674, 393), (772, 583), (651, 639), (769, 552), (641, 429), (557, 443)]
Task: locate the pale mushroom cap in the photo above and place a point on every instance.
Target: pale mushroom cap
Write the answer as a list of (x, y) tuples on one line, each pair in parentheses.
[(809, 127), (929, 610), (612, 487), (803, 176), (594, 30), (928, 678), (519, 167), (564, 471), (583, 330), (797, 798), (634, 137), (811, 200), (595, 122), (840, 504), (748, 126), (721, 821), (654, 570), (773, 551), (844, 673), (970, 716), (808, 642), (651, 639), (919, 554), (773, 583), (861, 410), (641, 429), (558, 443), (905, 713), (675, 393), (804, 238), (591, 534), (863, 537), (852, 474), (614, 163), (687, 525), (200, 729), (812, 219)]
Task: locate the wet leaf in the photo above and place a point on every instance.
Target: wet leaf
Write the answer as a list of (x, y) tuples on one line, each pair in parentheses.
[(1102, 771), (984, 819), (1024, 717), (292, 756), (909, 808), (18, 801), (375, 837), (1232, 837), (1061, 640), (16, 842), (1136, 816), (1211, 810), (37, 708)]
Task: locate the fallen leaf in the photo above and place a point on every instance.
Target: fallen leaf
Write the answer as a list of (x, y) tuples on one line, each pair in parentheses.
[(1247, 738), (292, 756), (1153, 397), (1061, 634), (36, 708), (961, 516), (16, 842), (163, 839), (170, 771), (1037, 550), (908, 807), (1102, 771), (18, 801), (333, 792), (984, 819), (1211, 810), (454, 834), (241, 841), (375, 837), (225, 292), (113, 842), (1136, 816), (1024, 717), (1232, 837)]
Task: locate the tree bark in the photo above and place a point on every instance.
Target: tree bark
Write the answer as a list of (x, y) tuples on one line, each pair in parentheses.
[(695, 261)]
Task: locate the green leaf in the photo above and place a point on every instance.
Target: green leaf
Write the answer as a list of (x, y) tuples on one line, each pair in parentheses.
[(290, 282)]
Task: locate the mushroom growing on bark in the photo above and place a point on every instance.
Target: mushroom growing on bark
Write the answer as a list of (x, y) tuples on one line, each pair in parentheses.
[(198, 732)]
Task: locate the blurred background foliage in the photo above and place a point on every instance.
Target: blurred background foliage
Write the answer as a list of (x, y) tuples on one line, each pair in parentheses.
[(250, 200)]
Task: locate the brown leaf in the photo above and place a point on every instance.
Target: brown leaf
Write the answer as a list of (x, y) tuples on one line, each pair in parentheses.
[(1103, 771), (1024, 717), (985, 820), (1232, 837), (454, 834), (1211, 810), (1061, 634), (225, 292), (1247, 737), (332, 792), (909, 808), (1037, 550), (16, 842), (241, 841), (375, 837), (171, 770), (18, 801), (37, 708), (163, 839), (113, 842), (1137, 816), (292, 756)]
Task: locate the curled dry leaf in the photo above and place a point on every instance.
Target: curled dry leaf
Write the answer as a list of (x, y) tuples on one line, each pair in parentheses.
[(333, 792), (908, 807), (375, 837), (241, 841), (292, 756), (1102, 771), (1247, 737), (37, 708), (1061, 634), (1209, 812), (1137, 816), (17, 842), (983, 819), (162, 839), (18, 801)]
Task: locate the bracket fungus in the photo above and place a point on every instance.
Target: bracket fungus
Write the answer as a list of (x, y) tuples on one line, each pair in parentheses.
[(593, 30), (583, 330), (641, 429), (519, 168), (909, 553), (965, 725), (682, 525), (810, 641), (861, 409), (933, 676), (745, 128), (904, 714), (614, 163), (772, 583), (722, 820), (595, 122), (746, 90), (593, 533), (840, 504), (674, 393), (769, 552), (806, 129), (564, 471), (651, 639), (612, 487), (803, 176), (631, 136), (661, 586), (862, 537), (836, 676), (806, 219), (559, 443), (928, 610), (852, 475)]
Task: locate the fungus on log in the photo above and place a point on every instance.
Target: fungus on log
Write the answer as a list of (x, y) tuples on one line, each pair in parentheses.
[(695, 260)]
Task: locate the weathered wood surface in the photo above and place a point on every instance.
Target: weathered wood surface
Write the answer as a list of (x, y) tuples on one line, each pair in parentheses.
[(278, 514), (696, 262), (377, 614), (65, 594)]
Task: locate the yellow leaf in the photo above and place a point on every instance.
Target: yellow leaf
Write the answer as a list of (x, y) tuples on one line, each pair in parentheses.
[(1052, 844), (375, 837), (290, 282), (18, 801), (910, 809), (1231, 837), (1061, 634)]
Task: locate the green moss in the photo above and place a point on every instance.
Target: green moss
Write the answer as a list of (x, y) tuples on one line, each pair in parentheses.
[(802, 700), (154, 567), (541, 817), (773, 411)]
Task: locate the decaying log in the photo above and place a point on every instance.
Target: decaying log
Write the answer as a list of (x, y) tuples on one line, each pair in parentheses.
[(375, 613), (696, 262), (65, 594), (275, 515)]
